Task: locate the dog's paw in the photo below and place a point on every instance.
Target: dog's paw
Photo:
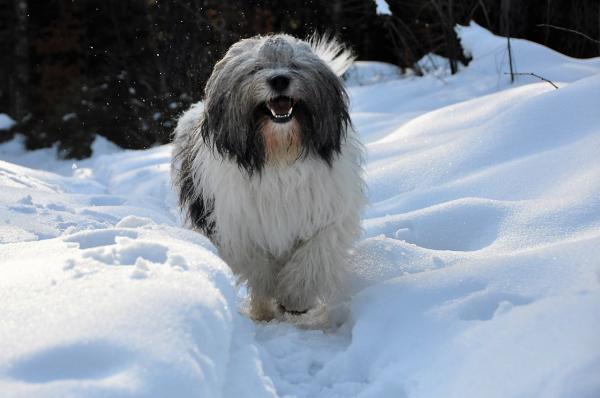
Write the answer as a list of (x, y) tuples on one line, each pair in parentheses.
[(262, 310), (282, 309), (295, 304)]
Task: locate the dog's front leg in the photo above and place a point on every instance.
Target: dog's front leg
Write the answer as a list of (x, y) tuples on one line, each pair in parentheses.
[(260, 271), (314, 269)]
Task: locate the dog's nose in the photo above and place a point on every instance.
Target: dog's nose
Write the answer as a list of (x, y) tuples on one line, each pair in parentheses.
[(279, 82)]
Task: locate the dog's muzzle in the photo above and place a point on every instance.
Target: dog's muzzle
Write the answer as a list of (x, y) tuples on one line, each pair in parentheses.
[(281, 108)]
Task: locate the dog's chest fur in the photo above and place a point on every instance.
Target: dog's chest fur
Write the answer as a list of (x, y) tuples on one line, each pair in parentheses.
[(281, 207)]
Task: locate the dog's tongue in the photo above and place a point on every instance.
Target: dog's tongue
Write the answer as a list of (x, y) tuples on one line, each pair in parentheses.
[(280, 105)]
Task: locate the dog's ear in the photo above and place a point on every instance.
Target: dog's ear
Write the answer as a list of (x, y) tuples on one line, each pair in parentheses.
[(228, 121), (336, 55), (326, 120), (330, 121)]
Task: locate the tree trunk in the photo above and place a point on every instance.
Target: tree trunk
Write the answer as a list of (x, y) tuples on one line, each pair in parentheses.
[(19, 90)]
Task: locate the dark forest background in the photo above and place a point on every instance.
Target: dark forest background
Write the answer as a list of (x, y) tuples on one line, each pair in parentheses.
[(125, 69)]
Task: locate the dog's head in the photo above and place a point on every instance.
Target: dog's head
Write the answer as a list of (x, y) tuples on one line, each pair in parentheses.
[(277, 98)]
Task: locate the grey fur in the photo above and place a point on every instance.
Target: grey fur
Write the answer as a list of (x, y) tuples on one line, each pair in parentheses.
[(236, 90)]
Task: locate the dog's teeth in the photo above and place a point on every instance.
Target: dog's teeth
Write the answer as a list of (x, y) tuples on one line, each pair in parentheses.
[(278, 116)]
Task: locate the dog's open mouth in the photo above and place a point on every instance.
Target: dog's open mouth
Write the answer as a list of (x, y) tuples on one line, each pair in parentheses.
[(281, 108)]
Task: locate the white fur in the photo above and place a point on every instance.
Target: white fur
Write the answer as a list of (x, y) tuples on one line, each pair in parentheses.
[(288, 230), (337, 57)]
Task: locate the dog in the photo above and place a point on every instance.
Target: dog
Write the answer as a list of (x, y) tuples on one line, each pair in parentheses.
[(269, 168)]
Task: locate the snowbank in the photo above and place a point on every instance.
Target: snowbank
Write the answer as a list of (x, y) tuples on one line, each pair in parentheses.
[(363, 73), (477, 276), (6, 122), (103, 295)]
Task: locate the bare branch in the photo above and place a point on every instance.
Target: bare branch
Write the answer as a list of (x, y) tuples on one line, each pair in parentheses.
[(534, 75), (510, 60), (569, 30)]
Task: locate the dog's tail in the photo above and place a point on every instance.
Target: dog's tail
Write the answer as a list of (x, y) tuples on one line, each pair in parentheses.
[(333, 52)]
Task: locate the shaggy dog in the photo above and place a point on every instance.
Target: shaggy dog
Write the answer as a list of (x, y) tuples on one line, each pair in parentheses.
[(270, 170)]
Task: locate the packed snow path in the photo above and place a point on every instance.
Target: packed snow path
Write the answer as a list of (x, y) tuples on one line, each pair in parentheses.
[(478, 274)]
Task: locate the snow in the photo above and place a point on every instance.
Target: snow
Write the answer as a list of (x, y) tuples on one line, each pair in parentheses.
[(370, 72), (477, 276), (382, 7), (6, 122)]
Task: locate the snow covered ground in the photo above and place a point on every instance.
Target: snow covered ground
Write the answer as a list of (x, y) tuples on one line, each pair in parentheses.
[(478, 274)]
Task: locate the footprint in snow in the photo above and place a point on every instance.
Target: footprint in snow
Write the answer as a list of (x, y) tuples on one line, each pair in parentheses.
[(103, 237), (24, 209), (106, 200), (127, 251), (26, 205), (76, 361), (485, 305)]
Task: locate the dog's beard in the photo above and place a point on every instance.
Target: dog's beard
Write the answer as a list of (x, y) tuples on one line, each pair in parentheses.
[(281, 140)]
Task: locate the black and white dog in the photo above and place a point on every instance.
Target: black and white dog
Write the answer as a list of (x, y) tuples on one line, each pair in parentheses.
[(269, 168)]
